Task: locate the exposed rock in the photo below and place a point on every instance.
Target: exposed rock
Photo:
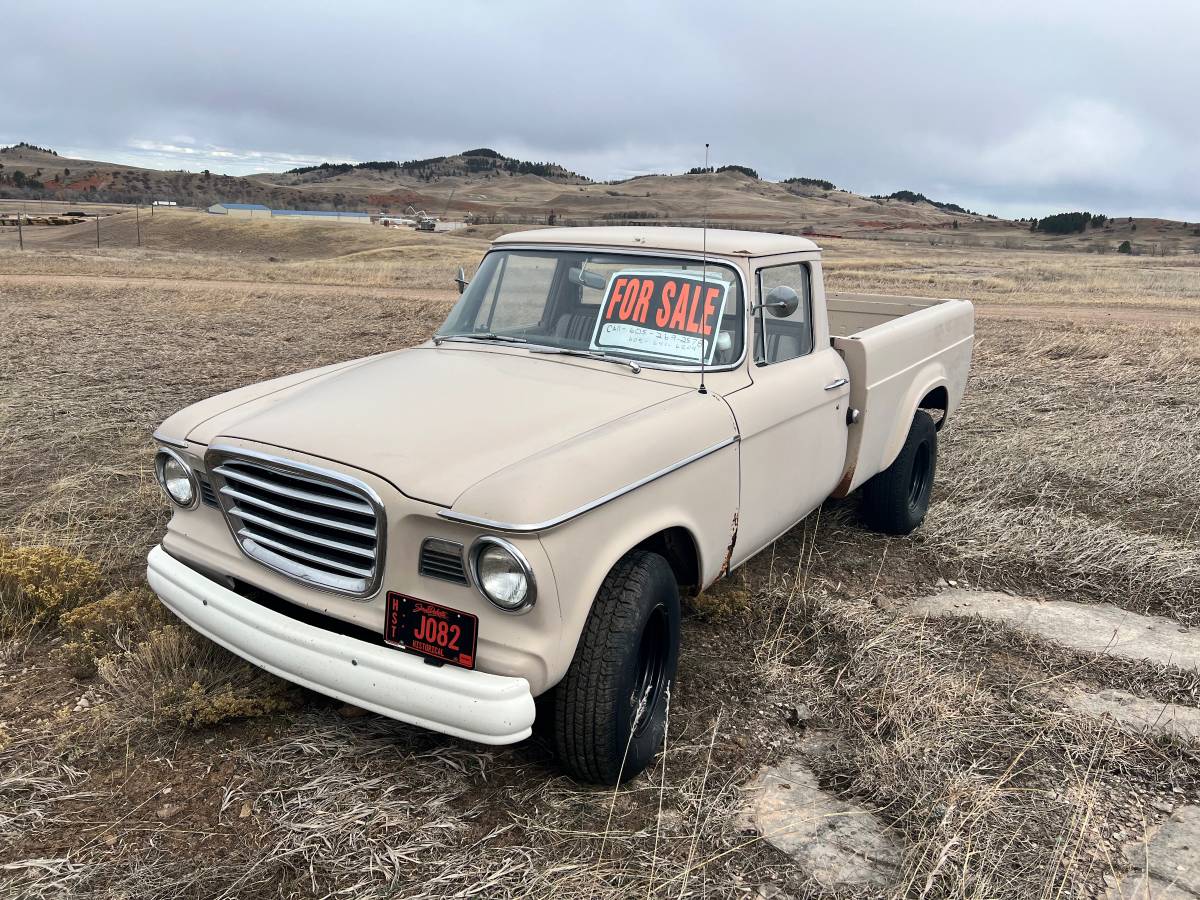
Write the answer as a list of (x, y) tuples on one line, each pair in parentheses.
[(1139, 714), (833, 841), (818, 741), (1165, 865), (1092, 627)]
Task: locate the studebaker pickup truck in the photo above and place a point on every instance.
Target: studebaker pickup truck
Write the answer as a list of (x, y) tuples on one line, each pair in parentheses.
[(609, 417)]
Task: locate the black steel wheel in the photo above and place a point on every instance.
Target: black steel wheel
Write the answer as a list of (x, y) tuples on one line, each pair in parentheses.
[(896, 500)]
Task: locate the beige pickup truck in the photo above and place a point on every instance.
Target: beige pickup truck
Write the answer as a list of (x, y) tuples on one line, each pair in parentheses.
[(609, 417)]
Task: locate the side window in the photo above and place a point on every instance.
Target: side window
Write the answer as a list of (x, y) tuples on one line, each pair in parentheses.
[(790, 336), (519, 294)]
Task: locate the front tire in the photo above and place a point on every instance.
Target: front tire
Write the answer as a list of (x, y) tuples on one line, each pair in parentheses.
[(896, 500), (610, 711)]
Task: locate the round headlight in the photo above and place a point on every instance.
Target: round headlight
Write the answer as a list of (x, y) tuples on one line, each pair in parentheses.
[(502, 574), (175, 477)]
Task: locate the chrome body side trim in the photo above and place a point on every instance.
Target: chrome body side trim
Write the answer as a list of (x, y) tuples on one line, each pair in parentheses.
[(170, 442), (527, 528)]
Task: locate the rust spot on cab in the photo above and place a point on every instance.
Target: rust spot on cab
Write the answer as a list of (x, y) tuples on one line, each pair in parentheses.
[(733, 528)]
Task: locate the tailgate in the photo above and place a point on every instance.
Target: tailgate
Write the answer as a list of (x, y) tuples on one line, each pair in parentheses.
[(893, 367)]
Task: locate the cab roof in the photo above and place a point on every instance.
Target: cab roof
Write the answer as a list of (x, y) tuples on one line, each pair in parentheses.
[(720, 241)]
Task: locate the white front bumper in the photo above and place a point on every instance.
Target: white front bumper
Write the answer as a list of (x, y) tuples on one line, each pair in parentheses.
[(491, 709)]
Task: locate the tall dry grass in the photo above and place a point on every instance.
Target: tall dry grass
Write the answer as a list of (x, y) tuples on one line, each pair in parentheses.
[(1071, 469)]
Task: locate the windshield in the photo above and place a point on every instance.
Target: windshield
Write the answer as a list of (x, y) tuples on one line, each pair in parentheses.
[(644, 308)]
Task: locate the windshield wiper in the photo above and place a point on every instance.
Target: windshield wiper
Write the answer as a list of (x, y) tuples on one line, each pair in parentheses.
[(480, 336), (589, 354)]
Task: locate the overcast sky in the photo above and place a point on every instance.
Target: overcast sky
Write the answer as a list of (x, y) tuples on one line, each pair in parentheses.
[(1014, 107)]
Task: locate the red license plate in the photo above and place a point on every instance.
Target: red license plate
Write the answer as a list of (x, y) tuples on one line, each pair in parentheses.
[(430, 630)]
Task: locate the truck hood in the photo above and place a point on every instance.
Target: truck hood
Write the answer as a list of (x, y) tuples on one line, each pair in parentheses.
[(432, 421)]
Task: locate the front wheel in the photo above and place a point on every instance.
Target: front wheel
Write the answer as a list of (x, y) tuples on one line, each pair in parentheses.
[(895, 501), (610, 711)]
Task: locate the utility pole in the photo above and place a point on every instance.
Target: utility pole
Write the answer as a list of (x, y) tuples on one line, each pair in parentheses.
[(137, 218), (97, 231)]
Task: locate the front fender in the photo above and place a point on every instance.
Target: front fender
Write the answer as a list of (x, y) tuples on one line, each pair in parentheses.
[(701, 497)]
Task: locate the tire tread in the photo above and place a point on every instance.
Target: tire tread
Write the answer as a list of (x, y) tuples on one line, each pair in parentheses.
[(583, 724)]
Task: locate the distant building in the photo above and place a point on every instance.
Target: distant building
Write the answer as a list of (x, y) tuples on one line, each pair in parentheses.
[(258, 211), (165, 203), (241, 210), (323, 215)]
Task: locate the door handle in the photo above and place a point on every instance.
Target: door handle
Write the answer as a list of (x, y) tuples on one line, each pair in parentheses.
[(834, 385)]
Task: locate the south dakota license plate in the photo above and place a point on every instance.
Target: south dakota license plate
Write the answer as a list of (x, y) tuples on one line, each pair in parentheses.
[(433, 631)]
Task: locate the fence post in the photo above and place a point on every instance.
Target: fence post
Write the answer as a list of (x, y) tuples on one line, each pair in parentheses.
[(137, 218), (20, 233), (97, 231)]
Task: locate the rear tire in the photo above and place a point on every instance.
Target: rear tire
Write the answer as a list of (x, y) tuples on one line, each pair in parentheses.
[(625, 662), (895, 501)]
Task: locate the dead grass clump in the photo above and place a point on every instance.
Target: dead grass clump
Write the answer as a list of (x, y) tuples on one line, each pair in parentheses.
[(32, 783), (39, 583), (993, 800), (1037, 544), (100, 627), (174, 678)]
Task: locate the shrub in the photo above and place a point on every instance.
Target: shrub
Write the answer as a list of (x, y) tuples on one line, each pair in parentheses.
[(1125, 247), (100, 627), (177, 678), (40, 583)]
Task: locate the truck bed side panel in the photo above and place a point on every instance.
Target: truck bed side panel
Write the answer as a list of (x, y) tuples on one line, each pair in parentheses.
[(893, 367)]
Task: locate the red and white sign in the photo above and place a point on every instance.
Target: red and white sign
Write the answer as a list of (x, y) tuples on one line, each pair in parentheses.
[(670, 315)]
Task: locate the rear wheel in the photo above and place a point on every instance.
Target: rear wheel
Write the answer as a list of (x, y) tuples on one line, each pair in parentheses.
[(896, 500), (611, 708)]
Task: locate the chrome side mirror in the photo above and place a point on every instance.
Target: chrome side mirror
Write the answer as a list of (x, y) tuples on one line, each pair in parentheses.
[(782, 301), (461, 279)]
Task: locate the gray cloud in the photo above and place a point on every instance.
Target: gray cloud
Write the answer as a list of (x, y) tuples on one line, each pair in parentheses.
[(1017, 108)]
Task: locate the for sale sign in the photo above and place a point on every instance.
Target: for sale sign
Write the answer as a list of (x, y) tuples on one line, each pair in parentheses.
[(674, 316)]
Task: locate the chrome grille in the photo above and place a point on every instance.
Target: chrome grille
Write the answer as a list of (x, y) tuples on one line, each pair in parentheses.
[(319, 527), (442, 559)]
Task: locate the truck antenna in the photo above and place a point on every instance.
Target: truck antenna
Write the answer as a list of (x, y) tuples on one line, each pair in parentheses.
[(704, 267)]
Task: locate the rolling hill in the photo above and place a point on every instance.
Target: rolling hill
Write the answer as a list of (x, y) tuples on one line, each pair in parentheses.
[(486, 187)]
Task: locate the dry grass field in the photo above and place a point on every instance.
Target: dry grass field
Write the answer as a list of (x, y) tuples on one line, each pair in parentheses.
[(137, 761)]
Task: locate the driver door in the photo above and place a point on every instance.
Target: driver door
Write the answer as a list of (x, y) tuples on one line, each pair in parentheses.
[(792, 418)]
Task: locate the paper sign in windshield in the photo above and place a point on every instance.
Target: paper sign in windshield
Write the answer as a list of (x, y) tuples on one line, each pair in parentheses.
[(670, 315)]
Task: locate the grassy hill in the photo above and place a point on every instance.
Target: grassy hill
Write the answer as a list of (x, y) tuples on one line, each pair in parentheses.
[(485, 187)]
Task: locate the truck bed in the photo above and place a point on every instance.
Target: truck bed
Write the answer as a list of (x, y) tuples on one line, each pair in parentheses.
[(850, 314), (902, 353)]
